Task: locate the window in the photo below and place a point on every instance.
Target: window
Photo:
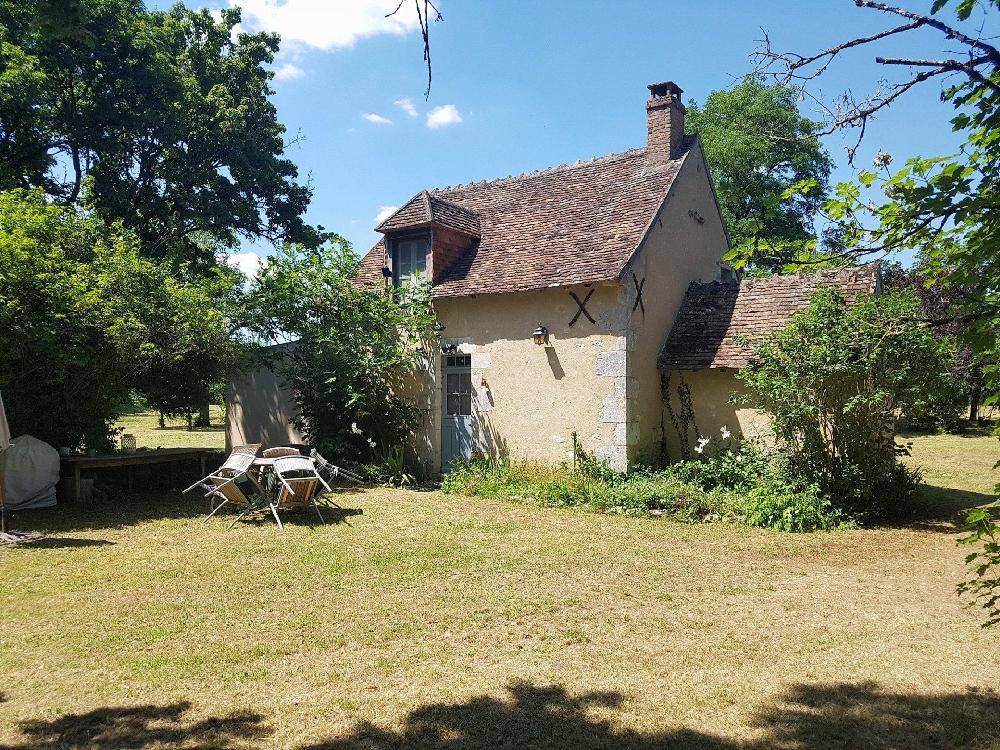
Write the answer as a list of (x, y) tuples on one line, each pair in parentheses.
[(458, 385), (458, 392), (409, 258)]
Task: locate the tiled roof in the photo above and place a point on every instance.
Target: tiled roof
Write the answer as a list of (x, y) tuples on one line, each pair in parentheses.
[(713, 314), (572, 224), (424, 209)]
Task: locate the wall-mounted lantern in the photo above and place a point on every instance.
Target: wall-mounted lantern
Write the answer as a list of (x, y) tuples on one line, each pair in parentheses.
[(386, 272), (541, 335)]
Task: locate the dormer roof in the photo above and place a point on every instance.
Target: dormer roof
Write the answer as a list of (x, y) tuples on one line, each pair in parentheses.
[(425, 209)]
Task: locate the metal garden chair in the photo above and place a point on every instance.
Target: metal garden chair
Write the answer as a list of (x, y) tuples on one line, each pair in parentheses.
[(330, 471), (280, 452), (297, 484), (221, 483)]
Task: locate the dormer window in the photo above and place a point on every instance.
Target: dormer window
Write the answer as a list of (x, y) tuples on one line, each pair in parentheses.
[(409, 258)]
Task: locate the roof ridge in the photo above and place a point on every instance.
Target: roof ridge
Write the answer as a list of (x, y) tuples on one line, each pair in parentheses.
[(451, 203), (539, 172)]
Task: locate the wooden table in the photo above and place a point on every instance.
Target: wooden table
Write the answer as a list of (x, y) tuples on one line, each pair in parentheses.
[(139, 458)]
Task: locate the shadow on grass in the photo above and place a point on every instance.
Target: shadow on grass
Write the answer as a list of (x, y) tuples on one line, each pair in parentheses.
[(54, 542), (966, 429), (184, 428), (808, 717), (122, 509), (121, 727), (937, 508)]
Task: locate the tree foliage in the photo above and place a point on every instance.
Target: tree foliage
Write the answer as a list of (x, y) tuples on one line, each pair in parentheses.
[(351, 350), (938, 305), (159, 120), (983, 586), (84, 320), (945, 206), (833, 381), (758, 145)]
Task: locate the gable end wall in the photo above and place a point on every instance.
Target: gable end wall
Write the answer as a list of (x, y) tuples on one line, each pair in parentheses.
[(686, 243)]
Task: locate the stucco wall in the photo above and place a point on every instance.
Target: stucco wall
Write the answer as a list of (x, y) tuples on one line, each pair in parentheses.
[(711, 392), (258, 411), (528, 398), (685, 244)]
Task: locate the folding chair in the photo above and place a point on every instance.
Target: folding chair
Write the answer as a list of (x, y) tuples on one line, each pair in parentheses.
[(221, 483), (280, 452), (331, 471), (297, 485)]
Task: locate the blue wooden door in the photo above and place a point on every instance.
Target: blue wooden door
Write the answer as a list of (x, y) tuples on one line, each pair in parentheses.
[(456, 425)]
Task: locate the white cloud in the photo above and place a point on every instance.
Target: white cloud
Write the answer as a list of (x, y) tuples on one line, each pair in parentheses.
[(384, 212), (406, 104), (327, 24), (446, 114), (376, 119), (249, 263), (288, 72)]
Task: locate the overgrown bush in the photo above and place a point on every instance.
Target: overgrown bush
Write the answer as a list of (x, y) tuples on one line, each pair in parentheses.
[(833, 382), (356, 348)]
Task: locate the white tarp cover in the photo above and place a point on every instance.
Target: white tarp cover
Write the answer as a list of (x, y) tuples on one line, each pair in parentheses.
[(31, 472)]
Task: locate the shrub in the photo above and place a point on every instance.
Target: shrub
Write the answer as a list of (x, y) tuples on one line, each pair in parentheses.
[(776, 505), (832, 383), (356, 348), (85, 321), (755, 493)]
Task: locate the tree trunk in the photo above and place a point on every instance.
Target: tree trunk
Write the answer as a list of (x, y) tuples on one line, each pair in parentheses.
[(190, 419), (204, 417), (974, 399), (163, 421)]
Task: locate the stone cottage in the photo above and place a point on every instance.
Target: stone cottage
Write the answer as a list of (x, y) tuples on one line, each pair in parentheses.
[(557, 291)]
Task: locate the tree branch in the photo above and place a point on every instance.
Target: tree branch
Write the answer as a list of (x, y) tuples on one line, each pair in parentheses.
[(423, 18), (950, 32)]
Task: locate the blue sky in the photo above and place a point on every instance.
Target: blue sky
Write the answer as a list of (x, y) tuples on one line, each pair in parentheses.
[(522, 85)]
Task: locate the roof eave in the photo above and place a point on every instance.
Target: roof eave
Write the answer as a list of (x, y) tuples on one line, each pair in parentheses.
[(652, 220)]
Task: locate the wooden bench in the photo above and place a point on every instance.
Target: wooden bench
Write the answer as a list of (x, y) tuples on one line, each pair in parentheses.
[(71, 466)]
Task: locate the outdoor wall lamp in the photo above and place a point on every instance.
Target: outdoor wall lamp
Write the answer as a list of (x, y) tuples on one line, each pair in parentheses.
[(541, 335)]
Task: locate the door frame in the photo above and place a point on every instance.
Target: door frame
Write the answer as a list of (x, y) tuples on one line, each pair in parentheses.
[(446, 369)]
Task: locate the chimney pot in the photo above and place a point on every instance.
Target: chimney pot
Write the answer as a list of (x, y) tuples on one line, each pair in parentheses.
[(665, 122)]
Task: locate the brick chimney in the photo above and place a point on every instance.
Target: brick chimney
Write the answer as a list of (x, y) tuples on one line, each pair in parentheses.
[(665, 120)]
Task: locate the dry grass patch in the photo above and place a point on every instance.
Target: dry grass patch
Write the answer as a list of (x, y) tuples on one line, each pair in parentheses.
[(439, 621)]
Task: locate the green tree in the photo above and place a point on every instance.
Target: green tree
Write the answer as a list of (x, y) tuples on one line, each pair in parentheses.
[(352, 351), (159, 120), (758, 145), (943, 207), (84, 320), (832, 382)]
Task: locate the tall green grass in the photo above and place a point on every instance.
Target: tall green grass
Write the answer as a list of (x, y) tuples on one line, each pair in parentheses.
[(685, 492)]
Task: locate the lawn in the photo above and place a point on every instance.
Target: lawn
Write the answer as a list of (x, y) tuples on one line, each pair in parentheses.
[(148, 433), (426, 620)]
